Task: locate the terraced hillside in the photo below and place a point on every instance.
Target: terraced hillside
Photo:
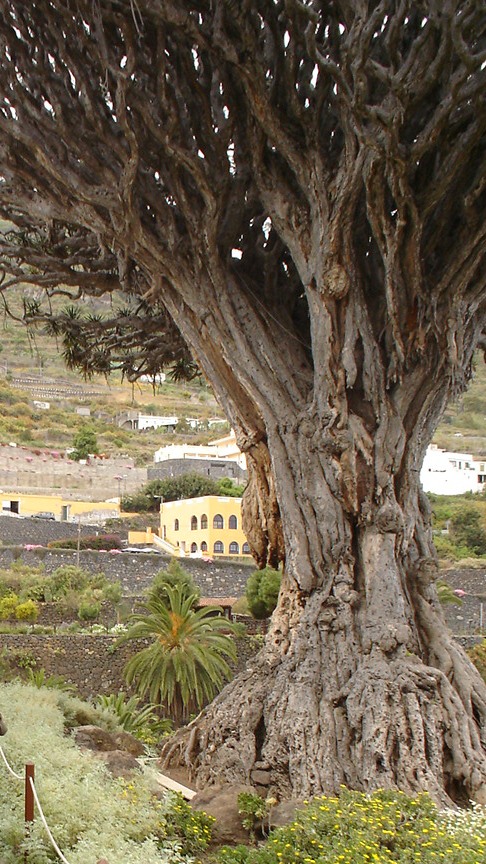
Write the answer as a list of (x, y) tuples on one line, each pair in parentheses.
[(34, 366)]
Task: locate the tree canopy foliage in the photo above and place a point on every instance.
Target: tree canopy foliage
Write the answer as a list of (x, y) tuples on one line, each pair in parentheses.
[(466, 529), (189, 485), (174, 576), (85, 443)]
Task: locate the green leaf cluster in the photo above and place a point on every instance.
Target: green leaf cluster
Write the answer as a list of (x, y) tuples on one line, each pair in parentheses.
[(262, 591), (174, 576), (104, 542), (466, 529), (23, 588), (11, 608), (85, 443), (185, 486), (142, 721), (186, 662)]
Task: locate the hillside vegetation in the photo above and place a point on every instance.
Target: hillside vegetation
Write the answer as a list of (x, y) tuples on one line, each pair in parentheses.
[(22, 353), (38, 357)]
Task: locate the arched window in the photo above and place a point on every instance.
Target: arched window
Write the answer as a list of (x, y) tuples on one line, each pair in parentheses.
[(193, 547), (218, 548), (204, 521), (204, 546), (234, 549), (245, 549), (176, 524), (218, 521), (193, 523), (232, 522)]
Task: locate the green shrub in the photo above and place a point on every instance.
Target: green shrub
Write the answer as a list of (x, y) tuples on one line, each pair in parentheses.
[(89, 610), (142, 722), (262, 591), (27, 611), (466, 529), (113, 592), (38, 678), (386, 827), (98, 542), (191, 828), (478, 656), (8, 605), (92, 815), (78, 712), (85, 443), (448, 550), (174, 575)]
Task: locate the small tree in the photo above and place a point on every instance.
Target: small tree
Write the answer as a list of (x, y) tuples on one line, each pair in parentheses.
[(466, 530), (89, 609), (190, 485), (27, 611), (174, 577), (186, 664), (8, 606), (84, 444), (262, 591), (226, 486)]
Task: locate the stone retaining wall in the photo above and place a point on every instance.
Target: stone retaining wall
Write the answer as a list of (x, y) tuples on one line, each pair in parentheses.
[(18, 532), (136, 571), (90, 662)]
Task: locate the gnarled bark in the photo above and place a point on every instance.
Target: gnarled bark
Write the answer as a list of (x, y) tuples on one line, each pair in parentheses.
[(359, 682)]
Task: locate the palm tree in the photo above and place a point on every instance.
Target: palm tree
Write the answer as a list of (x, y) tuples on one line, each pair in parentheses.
[(186, 664)]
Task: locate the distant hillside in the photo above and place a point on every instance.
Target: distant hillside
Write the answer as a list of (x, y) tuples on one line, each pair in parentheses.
[(462, 429), (32, 369)]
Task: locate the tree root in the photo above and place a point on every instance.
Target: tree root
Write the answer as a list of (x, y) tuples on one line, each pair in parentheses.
[(396, 724)]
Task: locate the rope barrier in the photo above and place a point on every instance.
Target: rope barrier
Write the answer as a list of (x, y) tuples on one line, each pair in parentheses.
[(44, 822), (30, 781), (9, 769)]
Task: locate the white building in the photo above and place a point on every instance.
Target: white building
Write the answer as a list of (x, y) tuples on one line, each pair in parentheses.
[(445, 473), (137, 420), (223, 448)]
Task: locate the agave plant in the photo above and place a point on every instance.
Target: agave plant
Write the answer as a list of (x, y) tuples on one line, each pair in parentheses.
[(39, 678), (142, 722), (186, 663)]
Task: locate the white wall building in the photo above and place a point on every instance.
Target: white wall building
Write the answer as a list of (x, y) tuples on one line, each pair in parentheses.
[(223, 448), (137, 420), (446, 473)]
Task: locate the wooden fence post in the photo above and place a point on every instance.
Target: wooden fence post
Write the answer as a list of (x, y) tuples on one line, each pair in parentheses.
[(29, 794)]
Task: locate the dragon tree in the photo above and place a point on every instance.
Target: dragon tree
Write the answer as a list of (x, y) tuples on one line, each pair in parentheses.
[(292, 193)]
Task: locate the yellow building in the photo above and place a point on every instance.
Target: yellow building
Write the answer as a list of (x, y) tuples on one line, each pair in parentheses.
[(210, 525), (63, 510)]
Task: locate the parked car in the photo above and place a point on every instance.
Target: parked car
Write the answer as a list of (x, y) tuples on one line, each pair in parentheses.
[(44, 514)]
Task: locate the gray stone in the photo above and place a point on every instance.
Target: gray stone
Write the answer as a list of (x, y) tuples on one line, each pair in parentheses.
[(283, 813), (119, 764), (128, 743), (260, 777), (94, 738)]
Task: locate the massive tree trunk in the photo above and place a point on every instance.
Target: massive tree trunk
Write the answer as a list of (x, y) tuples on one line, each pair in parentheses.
[(359, 683), (299, 187)]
